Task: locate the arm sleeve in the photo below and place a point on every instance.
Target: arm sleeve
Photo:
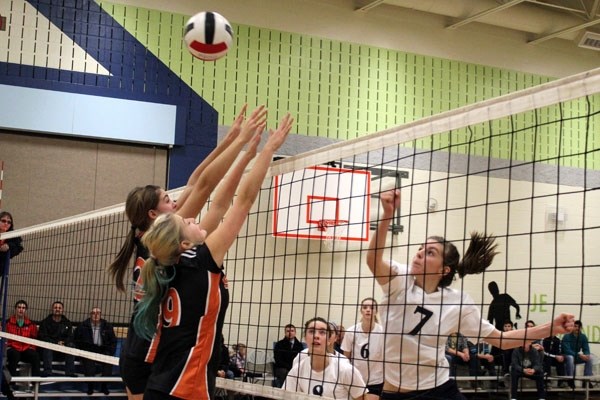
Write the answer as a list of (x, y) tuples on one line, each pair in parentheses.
[(585, 345), (471, 324), (15, 246), (352, 378), (566, 346), (348, 342), (398, 281), (277, 356), (291, 381), (42, 332)]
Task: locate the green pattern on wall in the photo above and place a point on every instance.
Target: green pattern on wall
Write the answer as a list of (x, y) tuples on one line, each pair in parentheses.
[(343, 90)]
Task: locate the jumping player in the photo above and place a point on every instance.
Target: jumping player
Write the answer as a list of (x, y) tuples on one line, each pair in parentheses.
[(184, 280), (421, 310), (145, 204)]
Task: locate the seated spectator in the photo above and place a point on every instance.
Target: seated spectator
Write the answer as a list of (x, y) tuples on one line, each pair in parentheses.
[(553, 357), (223, 370), (527, 362), (576, 349), (504, 357), (19, 324), (284, 353), (322, 373), (57, 329), (98, 336), (459, 353), (237, 363), (485, 358)]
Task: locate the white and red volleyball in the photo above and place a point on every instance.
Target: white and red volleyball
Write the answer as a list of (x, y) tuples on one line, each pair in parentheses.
[(208, 36)]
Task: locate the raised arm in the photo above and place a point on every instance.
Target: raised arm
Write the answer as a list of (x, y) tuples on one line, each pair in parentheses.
[(562, 323), (214, 172), (223, 237), (222, 199), (233, 133), (381, 269)]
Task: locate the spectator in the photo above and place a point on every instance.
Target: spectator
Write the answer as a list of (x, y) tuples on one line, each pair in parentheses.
[(553, 357), (499, 310), (321, 373), (98, 336), (459, 353), (57, 329), (237, 363), (527, 362), (485, 357), (223, 370), (19, 324), (12, 245), (504, 357), (576, 348), (284, 353)]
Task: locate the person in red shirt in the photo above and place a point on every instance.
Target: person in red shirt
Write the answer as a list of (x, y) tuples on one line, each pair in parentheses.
[(19, 324)]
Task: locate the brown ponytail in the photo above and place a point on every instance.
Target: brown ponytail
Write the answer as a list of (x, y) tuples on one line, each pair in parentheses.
[(139, 201), (477, 258)]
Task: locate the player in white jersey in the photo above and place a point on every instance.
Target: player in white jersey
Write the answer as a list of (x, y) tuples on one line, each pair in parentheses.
[(363, 345), (322, 373), (420, 310)]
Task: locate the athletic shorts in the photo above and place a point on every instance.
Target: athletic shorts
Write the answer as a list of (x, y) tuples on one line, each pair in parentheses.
[(375, 389), (135, 373), (446, 391)]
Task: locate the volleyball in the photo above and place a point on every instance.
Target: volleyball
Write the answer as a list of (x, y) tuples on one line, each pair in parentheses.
[(208, 36)]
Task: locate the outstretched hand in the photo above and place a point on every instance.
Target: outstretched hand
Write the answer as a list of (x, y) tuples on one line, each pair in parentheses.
[(277, 137), (236, 127), (390, 201), (255, 123), (563, 323), (252, 146)]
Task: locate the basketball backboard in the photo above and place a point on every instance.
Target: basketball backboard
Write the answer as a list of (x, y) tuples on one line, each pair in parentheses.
[(308, 202)]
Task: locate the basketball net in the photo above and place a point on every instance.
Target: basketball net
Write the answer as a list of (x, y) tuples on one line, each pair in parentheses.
[(332, 232)]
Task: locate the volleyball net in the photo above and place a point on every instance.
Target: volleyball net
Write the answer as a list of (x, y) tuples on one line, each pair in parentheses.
[(525, 168)]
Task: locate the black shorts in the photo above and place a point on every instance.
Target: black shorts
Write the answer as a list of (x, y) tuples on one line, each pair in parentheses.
[(446, 391), (375, 389), (135, 373)]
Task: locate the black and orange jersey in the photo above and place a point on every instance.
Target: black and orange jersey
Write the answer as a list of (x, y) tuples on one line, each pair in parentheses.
[(135, 347), (192, 314)]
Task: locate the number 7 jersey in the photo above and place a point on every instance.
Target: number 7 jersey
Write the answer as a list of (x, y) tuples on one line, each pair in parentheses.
[(417, 325)]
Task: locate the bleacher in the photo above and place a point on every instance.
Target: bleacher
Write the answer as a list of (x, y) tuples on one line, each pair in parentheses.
[(501, 384)]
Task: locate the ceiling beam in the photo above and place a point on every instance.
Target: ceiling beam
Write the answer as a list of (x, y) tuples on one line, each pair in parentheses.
[(594, 10), (484, 13), (563, 31), (370, 5)]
